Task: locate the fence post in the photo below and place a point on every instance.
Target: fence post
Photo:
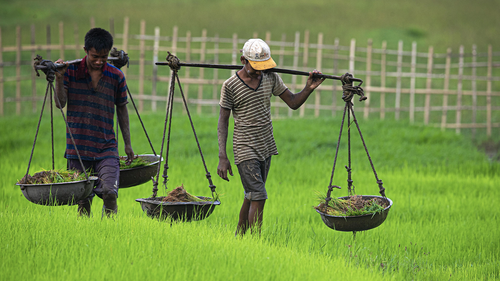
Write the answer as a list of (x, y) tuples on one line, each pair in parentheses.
[(18, 70), (382, 79), (319, 63), (234, 55), (141, 65), (33, 75), (202, 70), (125, 41), (352, 55), (474, 88), (1, 74), (296, 46), (335, 70), (446, 89), (366, 109), (216, 73), (186, 69), (305, 58), (488, 92), (156, 46), (398, 81), (77, 39), (61, 40), (428, 85), (458, 113), (280, 64), (48, 36), (412, 80)]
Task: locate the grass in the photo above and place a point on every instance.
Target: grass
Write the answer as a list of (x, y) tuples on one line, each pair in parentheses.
[(442, 225)]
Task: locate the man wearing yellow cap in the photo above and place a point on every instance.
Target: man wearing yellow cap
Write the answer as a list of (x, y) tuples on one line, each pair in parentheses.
[(248, 95)]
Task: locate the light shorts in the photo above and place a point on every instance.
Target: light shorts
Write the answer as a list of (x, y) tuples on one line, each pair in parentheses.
[(253, 175)]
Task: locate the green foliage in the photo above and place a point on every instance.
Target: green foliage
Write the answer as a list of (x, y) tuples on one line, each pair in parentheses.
[(442, 225)]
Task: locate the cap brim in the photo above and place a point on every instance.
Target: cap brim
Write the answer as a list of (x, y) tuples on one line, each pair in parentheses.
[(262, 65)]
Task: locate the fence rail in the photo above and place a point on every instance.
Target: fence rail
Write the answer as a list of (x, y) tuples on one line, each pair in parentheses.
[(457, 90)]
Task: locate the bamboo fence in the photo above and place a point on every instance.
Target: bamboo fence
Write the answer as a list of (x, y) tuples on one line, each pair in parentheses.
[(456, 90)]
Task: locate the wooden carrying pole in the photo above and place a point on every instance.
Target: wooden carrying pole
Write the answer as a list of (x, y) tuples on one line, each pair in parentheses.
[(278, 70)]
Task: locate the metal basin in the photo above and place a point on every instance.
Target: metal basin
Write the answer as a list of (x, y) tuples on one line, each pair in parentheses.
[(177, 211), (357, 223), (56, 194), (139, 175)]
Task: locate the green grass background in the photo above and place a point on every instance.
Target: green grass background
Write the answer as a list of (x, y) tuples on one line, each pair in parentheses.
[(442, 226)]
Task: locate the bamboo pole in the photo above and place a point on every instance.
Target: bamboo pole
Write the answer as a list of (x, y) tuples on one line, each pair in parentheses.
[(382, 79), (474, 88), (366, 109), (156, 46), (335, 70), (428, 85), (446, 89), (33, 75), (49, 40), (77, 40), (187, 72), (398, 79), (458, 113), (125, 40), (412, 80), (61, 40), (142, 50), (305, 60), (296, 47), (215, 73), (319, 66), (18, 70), (202, 71)]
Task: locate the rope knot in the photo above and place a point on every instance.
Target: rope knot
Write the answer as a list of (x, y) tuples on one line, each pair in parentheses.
[(49, 70), (349, 90), (173, 62), (122, 58)]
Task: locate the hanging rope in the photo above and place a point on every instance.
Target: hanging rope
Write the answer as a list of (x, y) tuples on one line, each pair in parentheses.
[(173, 62), (49, 68)]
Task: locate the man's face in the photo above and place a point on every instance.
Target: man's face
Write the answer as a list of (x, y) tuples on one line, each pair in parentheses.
[(96, 60), (251, 71)]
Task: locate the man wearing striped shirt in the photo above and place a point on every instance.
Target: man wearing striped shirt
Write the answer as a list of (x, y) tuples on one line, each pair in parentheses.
[(248, 95), (91, 90)]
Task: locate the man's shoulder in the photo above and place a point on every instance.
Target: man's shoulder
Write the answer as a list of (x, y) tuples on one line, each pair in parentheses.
[(113, 72)]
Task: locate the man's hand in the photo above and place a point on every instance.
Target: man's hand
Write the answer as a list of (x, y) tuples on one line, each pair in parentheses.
[(130, 154), (314, 81), (223, 168), (60, 71)]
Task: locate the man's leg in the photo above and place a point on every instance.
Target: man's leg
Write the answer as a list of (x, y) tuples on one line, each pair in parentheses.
[(255, 215), (253, 175), (243, 221), (108, 171), (85, 204)]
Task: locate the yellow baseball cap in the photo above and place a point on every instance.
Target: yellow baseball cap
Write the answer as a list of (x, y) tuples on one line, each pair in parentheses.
[(258, 53)]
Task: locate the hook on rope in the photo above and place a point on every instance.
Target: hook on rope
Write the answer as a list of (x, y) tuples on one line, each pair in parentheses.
[(349, 90), (122, 58), (49, 70)]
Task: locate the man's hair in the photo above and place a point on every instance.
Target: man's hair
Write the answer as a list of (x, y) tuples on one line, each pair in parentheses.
[(99, 39)]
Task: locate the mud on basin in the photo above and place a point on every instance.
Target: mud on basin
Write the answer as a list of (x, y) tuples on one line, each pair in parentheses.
[(56, 194), (357, 223), (183, 211), (141, 174)]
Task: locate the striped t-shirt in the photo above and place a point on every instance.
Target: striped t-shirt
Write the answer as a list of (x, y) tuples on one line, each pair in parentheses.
[(253, 130), (90, 112)]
